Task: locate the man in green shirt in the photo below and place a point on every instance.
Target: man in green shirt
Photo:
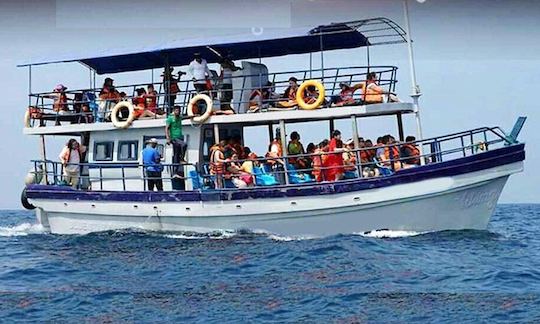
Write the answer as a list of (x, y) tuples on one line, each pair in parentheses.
[(173, 133)]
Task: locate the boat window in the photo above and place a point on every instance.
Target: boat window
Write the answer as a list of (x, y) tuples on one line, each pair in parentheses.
[(128, 150), (103, 151)]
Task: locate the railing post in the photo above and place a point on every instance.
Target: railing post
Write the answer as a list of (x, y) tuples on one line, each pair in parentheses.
[(123, 178), (284, 148), (356, 145), (100, 178)]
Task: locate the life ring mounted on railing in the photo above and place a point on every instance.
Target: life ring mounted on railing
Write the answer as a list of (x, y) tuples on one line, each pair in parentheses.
[(116, 110), (302, 89), (191, 108)]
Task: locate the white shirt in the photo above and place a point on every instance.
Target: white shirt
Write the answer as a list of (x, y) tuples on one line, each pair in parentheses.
[(199, 71)]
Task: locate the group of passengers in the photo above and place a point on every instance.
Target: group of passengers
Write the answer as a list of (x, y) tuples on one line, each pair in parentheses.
[(371, 92), (146, 100), (330, 160)]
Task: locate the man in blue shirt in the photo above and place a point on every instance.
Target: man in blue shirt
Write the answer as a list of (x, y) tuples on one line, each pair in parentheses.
[(152, 165)]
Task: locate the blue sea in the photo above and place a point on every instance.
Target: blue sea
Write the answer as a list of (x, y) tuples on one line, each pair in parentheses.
[(131, 276)]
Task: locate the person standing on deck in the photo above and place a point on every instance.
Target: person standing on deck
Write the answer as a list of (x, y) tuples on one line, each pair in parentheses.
[(335, 169), (199, 71), (227, 69), (71, 158), (174, 136), (152, 165)]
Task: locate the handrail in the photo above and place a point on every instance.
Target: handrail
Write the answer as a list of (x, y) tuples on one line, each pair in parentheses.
[(100, 110), (491, 136)]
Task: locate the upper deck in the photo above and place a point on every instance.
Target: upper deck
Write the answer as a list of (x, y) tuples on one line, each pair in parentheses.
[(81, 114)]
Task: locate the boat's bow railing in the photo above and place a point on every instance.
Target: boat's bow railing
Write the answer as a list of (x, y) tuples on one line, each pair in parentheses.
[(240, 92), (270, 171)]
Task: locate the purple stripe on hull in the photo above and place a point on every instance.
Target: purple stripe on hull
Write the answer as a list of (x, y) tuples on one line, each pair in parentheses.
[(486, 160)]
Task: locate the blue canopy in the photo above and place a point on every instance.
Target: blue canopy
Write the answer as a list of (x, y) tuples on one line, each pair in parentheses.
[(180, 52)]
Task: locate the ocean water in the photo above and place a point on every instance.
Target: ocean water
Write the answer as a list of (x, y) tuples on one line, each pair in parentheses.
[(130, 276)]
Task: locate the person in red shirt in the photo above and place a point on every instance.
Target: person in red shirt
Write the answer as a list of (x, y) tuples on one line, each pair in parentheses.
[(334, 162)]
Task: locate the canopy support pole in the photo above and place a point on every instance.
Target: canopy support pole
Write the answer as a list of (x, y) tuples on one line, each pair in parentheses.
[(29, 85), (94, 79), (167, 82), (216, 133), (415, 88), (356, 144), (43, 158), (400, 126), (332, 126), (283, 138), (322, 58), (310, 65)]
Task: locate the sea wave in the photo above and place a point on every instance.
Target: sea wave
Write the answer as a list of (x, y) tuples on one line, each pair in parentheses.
[(21, 229), (389, 234)]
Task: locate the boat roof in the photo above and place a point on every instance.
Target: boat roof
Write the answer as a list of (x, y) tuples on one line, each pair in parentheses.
[(252, 119), (300, 40)]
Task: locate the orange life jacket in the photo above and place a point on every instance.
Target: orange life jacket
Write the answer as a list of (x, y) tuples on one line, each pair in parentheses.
[(414, 155), (372, 95), (395, 153), (60, 103), (216, 167)]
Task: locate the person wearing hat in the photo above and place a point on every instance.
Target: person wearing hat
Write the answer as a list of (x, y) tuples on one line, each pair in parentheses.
[(346, 96), (199, 71), (60, 99), (152, 165)]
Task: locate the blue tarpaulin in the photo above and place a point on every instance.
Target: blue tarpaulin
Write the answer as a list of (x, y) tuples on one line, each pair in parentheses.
[(180, 52)]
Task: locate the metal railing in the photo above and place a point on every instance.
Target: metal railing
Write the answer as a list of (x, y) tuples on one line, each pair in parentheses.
[(281, 171), (85, 105)]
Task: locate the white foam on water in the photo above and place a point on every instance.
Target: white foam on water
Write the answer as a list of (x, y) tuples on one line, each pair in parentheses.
[(389, 234), (21, 229), (290, 238), (221, 235)]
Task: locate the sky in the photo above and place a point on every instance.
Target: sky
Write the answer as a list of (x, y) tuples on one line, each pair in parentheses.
[(478, 62)]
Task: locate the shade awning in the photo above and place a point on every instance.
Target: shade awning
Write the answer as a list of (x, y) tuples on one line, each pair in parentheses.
[(268, 44)]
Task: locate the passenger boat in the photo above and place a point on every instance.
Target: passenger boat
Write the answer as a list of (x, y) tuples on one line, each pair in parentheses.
[(455, 186)]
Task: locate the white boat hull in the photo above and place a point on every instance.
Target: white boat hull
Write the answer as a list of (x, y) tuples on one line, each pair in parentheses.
[(464, 201)]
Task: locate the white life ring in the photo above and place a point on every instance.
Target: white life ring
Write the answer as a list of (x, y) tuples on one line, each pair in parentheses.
[(202, 118), (27, 123), (116, 109)]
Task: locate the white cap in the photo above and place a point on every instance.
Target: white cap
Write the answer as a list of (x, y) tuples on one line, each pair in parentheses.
[(153, 140)]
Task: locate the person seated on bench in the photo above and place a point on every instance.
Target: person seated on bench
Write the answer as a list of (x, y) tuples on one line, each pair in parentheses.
[(108, 97), (409, 152), (373, 93), (262, 98), (140, 105), (239, 177), (346, 96), (289, 95), (349, 156), (295, 147), (389, 156)]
